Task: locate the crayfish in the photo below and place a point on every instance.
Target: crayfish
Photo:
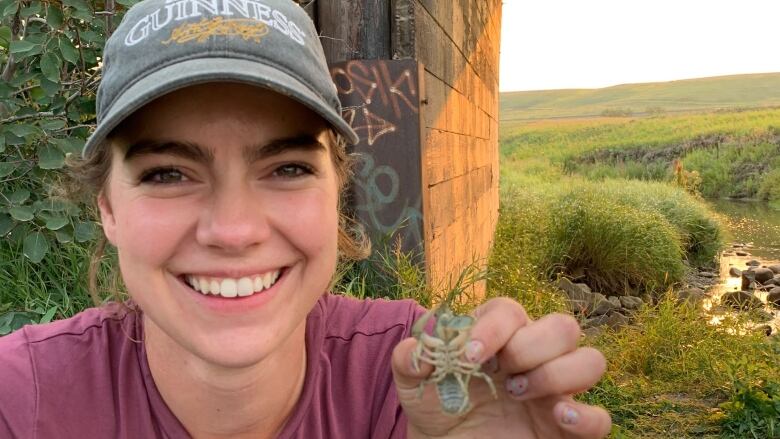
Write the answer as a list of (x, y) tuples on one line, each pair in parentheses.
[(445, 350)]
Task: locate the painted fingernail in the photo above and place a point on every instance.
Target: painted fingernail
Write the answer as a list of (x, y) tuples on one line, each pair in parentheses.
[(491, 365), (517, 385), (474, 350), (569, 416)]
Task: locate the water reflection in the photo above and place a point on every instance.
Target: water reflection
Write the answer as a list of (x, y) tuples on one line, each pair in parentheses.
[(752, 222), (757, 225)]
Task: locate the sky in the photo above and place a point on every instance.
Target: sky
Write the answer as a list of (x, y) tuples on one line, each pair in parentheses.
[(553, 44)]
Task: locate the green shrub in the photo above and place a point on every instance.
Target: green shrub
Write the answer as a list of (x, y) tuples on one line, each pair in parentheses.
[(699, 231), (50, 53), (770, 186), (744, 168), (621, 234), (617, 246)]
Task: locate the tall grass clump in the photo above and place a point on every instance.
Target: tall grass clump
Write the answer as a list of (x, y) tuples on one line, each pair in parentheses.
[(618, 247), (388, 273), (621, 235), (699, 231), (391, 273), (516, 264)]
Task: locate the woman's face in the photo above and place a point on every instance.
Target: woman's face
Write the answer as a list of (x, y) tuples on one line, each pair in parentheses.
[(230, 190)]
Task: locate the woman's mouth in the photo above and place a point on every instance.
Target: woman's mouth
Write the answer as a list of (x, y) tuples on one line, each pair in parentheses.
[(233, 287)]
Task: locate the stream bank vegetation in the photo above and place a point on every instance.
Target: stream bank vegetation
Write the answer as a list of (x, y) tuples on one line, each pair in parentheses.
[(617, 206)]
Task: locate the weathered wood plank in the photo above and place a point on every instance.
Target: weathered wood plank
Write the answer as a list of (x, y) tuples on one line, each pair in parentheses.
[(354, 29)]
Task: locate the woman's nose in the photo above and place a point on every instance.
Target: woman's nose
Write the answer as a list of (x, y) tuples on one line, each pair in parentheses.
[(234, 220)]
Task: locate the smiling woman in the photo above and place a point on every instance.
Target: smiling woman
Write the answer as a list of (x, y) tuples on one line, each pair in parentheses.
[(217, 167)]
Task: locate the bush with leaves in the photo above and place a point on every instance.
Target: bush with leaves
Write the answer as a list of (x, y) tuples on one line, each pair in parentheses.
[(50, 57), (50, 68)]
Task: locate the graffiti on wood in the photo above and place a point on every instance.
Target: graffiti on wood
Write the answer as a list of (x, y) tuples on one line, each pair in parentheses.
[(381, 100)]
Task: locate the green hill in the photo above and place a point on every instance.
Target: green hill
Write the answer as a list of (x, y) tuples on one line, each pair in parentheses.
[(754, 90)]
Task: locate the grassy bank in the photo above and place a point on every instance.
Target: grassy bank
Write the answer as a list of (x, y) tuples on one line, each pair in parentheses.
[(723, 154), (672, 374), (601, 197)]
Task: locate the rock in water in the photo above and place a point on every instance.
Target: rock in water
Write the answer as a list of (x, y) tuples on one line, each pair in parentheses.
[(775, 268), (774, 297), (748, 277), (753, 263), (742, 300), (735, 272), (763, 274)]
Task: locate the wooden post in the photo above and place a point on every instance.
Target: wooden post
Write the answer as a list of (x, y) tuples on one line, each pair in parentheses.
[(354, 29), (402, 29)]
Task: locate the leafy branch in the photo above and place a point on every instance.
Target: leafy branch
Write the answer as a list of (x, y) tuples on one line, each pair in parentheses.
[(50, 55)]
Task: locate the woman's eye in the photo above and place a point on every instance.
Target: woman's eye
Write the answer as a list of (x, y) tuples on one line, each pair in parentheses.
[(292, 170), (163, 176)]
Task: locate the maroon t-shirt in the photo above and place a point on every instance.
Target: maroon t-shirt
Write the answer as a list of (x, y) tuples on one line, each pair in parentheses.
[(88, 376)]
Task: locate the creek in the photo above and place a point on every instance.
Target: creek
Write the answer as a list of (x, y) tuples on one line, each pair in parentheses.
[(756, 226)]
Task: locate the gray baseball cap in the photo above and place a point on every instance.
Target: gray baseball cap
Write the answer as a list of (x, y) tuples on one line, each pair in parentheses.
[(165, 45)]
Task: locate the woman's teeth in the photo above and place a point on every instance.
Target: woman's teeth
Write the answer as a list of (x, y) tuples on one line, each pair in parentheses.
[(229, 287)]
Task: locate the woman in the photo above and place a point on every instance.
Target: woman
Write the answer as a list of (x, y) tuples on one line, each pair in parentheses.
[(217, 165)]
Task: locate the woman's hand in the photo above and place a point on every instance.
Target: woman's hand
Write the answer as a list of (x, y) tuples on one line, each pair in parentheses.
[(536, 367)]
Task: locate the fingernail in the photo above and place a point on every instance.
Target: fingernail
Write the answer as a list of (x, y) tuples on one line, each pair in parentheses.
[(474, 350), (491, 365), (415, 363), (517, 385), (569, 416)]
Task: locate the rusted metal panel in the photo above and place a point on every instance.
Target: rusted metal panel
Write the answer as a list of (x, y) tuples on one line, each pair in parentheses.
[(381, 100)]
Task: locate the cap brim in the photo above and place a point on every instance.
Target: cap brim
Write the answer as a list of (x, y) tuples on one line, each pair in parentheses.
[(199, 71)]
